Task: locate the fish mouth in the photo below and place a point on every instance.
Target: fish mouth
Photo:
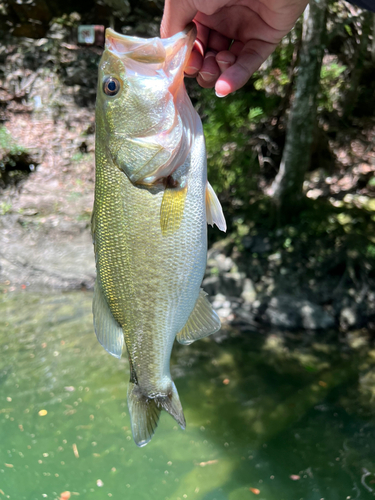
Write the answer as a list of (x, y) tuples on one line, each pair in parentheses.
[(151, 50), (112, 34)]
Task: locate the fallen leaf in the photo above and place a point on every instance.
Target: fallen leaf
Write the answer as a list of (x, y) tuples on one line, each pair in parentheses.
[(226, 381), (255, 491), (65, 495), (42, 413), (75, 450), (210, 462), (322, 383)]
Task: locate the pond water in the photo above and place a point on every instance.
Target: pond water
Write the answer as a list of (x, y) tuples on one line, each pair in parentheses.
[(272, 417)]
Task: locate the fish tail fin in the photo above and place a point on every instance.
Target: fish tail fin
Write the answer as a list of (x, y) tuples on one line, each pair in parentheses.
[(144, 415), (145, 412), (173, 406)]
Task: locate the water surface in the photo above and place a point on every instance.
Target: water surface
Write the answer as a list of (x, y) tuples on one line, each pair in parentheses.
[(272, 417)]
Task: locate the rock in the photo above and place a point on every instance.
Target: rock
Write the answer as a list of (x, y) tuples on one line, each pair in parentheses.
[(314, 317), (222, 306), (245, 320), (256, 244), (287, 311), (348, 318), (220, 300), (224, 263), (249, 293), (232, 284)]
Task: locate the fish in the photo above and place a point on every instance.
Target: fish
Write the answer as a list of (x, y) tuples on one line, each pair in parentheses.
[(149, 222)]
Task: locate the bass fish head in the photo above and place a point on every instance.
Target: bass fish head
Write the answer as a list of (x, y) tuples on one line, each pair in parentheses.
[(140, 86)]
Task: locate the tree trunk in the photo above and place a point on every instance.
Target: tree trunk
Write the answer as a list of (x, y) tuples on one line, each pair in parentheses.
[(287, 186)]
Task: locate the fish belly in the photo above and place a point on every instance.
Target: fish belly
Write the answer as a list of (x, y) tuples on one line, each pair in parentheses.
[(150, 281)]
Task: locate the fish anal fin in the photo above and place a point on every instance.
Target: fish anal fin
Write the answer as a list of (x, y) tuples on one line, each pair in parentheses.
[(145, 412), (214, 211), (172, 209), (108, 331), (202, 322)]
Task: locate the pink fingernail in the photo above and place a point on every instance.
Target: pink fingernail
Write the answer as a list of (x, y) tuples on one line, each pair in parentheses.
[(219, 95), (207, 76), (191, 69), (224, 63)]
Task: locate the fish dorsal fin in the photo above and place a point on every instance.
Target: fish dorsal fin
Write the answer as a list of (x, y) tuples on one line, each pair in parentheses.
[(172, 209), (214, 211), (202, 322), (108, 331)]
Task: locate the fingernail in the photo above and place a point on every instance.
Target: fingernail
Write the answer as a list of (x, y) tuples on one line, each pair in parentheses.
[(199, 46), (207, 77), (224, 63), (219, 95), (191, 69)]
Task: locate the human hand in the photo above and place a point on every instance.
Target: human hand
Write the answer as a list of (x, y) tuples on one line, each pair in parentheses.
[(234, 36)]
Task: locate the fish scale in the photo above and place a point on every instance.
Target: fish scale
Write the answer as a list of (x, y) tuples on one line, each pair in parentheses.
[(150, 236)]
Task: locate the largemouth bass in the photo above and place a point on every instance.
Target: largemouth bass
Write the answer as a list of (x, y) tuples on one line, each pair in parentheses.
[(149, 224)]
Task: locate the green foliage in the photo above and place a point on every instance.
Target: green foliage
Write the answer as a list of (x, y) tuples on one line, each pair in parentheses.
[(229, 126), (255, 114), (78, 156), (332, 82), (348, 30), (226, 127), (5, 207), (9, 149), (8, 144)]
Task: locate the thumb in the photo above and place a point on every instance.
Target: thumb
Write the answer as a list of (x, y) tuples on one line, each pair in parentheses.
[(176, 16)]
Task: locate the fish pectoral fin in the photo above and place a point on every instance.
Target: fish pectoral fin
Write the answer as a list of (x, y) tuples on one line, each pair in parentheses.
[(108, 331), (145, 412), (214, 211), (202, 322), (172, 209)]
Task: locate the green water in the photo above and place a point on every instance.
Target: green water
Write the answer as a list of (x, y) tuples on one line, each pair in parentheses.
[(288, 416)]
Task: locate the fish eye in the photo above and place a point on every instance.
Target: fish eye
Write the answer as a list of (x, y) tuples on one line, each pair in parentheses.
[(111, 86)]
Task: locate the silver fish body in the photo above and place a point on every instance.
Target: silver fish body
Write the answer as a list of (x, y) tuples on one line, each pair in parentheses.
[(150, 218)]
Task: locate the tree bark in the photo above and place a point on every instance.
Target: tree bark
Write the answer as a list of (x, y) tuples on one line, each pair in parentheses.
[(287, 186)]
